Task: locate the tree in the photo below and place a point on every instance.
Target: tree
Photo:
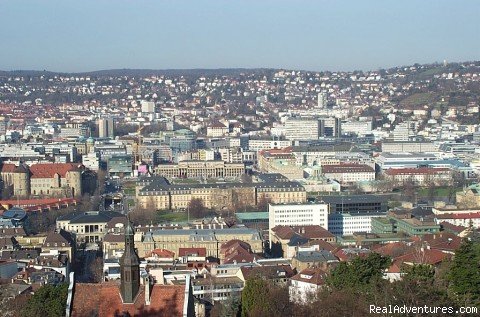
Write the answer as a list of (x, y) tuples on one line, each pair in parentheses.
[(263, 203), (196, 208), (261, 298), (358, 273), (48, 300), (464, 276)]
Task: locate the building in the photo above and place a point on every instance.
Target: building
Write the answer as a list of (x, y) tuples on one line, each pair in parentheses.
[(147, 106), (356, 204), (45, 180), (201, 169), (280, 161), (157, 193), (330, 127), (408, 146), (422, 176), (341, 224), (216, 129), (469, 197), (289, 214), (302, 129), (322, 100), (120, 166), (460, 219), (306, 284), (284, 240), (346, 173), (209, 237), (403, 222), (136, 294), (89, 226), (106, 128)]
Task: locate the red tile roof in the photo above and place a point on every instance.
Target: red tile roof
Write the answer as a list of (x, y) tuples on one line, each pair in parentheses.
[(201, 252), (104, 300), (472, 215), (160, 253), (393, 249), (422, 256), (7, 168), (311, 275), (49, 170), (347, 168)]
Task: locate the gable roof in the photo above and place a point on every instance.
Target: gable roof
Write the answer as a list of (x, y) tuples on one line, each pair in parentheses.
[(49, 170), (311, 275), (104, 299)]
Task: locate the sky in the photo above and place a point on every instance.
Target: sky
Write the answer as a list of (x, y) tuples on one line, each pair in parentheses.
[(87, 35)]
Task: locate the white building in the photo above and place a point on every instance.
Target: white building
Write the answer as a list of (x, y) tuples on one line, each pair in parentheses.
[(91, 161), (257, 145), (360, 128), (302, 129), (460, 219), (147, 106), (306, 284), (297, 215), (347, 224)]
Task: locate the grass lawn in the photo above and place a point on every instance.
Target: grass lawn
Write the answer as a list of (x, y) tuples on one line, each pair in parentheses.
[(440, 191), (129, 191), (168, 216)]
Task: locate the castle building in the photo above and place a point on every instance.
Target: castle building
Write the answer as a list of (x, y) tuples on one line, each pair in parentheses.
[(43, 180)]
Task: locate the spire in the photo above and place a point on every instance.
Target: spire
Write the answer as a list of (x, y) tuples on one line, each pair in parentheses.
[(129, 267)]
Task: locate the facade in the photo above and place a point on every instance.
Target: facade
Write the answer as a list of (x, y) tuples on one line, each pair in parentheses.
[(216, 129), (211, 239), (106, 128), (260, 144), (45, 180), (396, 222), (157, 193), (349, 173), (90, 226), (356, 204), (341, 224), (298, 215), (302, 129), (460, 219), (120, 165), (408, 146), (306, 284), (201, 169), (420, 176), (280, 161)]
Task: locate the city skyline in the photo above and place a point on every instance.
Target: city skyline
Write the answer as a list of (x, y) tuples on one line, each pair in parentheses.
[(62, 37)]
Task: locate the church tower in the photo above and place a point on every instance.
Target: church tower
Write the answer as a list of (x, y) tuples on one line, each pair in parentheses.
[(129, 268)]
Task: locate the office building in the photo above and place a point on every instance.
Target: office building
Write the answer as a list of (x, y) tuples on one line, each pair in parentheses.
[(106, 128)]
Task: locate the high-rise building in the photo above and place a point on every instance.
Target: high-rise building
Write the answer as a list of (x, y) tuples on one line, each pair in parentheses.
[(322, 100), (3, 125), (106, 128), (403, 131), (330, 127), (302, 129)]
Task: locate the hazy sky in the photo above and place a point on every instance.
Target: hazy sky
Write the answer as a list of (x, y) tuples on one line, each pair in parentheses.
[(86, 35)]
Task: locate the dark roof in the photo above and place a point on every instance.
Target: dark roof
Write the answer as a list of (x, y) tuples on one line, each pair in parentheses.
[(349, 199), (90, 217), (315, 256)]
